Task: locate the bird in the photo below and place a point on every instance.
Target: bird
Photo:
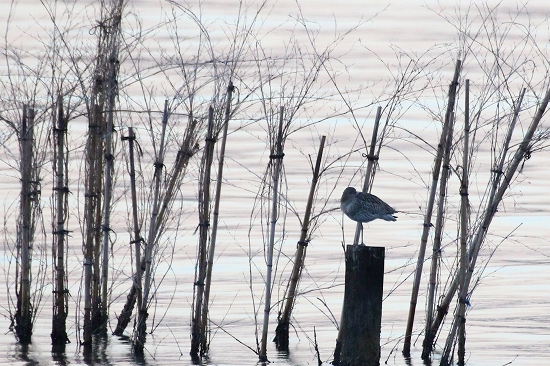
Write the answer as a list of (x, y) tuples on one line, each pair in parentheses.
[(365, 207)]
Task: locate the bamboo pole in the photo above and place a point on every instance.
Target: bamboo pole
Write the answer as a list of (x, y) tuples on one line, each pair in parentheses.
[(277, 156), (185, 153), (23, 326), (198, 333), (138, 240), (216, 215), (436, 249), (445, 303), (59, 333), (135, 291), (107, 190), (100, 94), (489, 213), (372, 158), (141, 324), (464, 203), (428, 216), (92, 202), (281, 337)]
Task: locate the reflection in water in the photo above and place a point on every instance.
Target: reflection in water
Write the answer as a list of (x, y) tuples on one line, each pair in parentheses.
[(22, 353), (60, 358), (96, 353)]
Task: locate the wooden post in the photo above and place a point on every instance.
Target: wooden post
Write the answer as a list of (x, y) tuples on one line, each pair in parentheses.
[(359, 337)]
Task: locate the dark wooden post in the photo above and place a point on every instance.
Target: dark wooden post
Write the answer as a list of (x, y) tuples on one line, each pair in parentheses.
[(359, 337)]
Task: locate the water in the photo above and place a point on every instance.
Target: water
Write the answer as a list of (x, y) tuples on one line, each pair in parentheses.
[(507, 320)]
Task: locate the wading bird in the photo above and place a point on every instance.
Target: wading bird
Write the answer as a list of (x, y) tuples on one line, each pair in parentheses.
[(365, 207)]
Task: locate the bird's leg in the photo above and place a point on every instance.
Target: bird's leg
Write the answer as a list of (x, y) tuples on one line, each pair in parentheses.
[(362, 242)]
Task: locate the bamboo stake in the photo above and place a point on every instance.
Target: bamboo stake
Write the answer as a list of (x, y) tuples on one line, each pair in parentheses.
[(92, 202), (216, 214), (439, 223), (141, 326), (135, 291), (107, 189), (138, 240), (278, 157), (198, 333), (443, 307), (185, 153), (107, 43), (428, 217), (59, 333), (281, 338), (488, 215), (23, 326), (372, 158), (464, 202)]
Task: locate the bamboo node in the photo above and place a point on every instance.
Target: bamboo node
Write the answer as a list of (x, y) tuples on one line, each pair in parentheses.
[(370, 157), (210, 139), (66, 291), (61, 189), (199, 283), (303, 243), (277, 156)]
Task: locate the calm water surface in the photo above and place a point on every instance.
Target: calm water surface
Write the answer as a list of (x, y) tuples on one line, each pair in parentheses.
[(508, 318)]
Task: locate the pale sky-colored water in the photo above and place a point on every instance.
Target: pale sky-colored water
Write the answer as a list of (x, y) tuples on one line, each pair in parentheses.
[(507, 319)]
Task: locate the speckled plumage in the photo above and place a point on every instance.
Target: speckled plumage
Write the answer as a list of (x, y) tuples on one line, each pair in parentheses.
[(365, 207)]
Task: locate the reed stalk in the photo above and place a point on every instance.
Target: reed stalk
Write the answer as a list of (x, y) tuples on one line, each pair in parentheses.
[(60, 302), (281, 333), (429, 209), (371, 159), (277, 157)]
